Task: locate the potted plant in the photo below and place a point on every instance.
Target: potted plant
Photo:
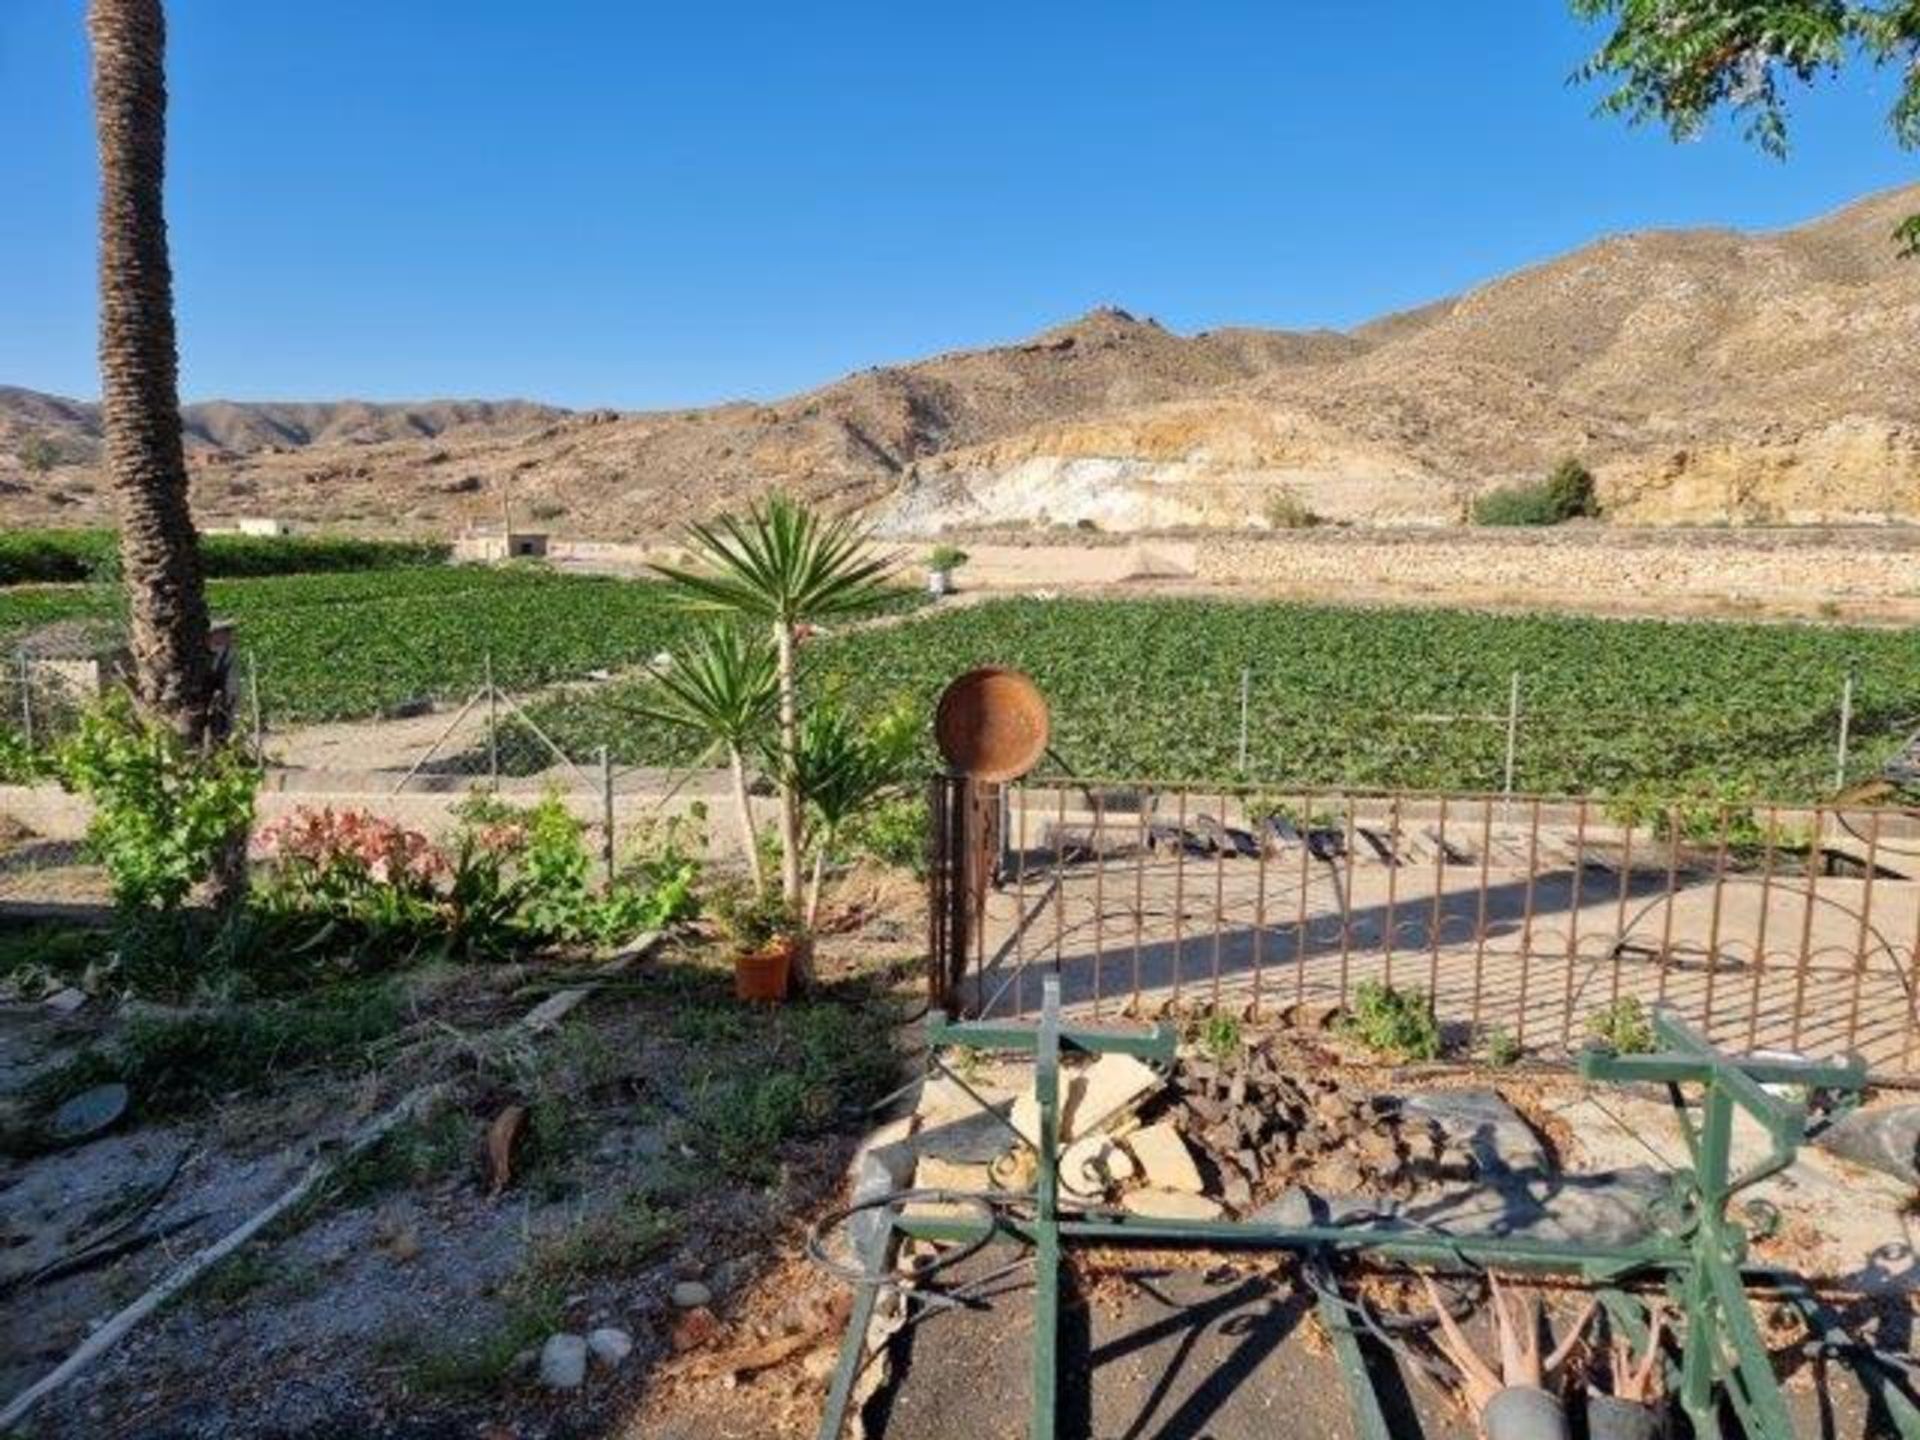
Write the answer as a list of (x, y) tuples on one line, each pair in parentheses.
[(769, 943), (942, 561)]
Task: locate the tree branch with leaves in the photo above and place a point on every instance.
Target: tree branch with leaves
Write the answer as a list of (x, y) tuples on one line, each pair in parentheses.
[(1678, 63)]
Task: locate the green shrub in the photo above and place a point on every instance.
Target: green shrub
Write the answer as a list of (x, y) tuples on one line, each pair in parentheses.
[(1395, 1024), (1570, 487), (946, 557), (20, 763), (1502, 1049), (749, 918), (559, 900), (163, 812), (1220, 1038), (1623, 1026), (1287, 511), (1566, 494), (892, 832), (509, 877), (52, 556), (1516, 505), (65, 556)]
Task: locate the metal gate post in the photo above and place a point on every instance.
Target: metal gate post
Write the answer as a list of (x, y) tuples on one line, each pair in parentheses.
[(1046, 1230)]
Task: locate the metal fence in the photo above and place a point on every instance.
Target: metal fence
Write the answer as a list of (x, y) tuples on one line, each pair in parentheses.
[(41, 702), (1523, 918), (416, 759)]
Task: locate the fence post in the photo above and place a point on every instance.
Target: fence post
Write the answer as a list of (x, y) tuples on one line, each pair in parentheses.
[(606, 813), (1846, 732), (1246, 684), (26, 700), (493, 724), (1513, 734), (253, 706)]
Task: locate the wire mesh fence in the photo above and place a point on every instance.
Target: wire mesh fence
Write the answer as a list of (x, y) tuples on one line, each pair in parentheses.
[(1517, 917), (1528, 737)]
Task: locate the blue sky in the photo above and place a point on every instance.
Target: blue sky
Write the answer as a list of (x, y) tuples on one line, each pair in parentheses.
[(646, 204)]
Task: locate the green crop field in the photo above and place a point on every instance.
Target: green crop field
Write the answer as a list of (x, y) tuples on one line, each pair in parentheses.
[(341, 645), (1144, 689), (53, 556), (1151, 689)]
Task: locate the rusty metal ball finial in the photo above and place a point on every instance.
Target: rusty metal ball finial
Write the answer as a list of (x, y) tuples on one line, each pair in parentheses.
[(992, 724)]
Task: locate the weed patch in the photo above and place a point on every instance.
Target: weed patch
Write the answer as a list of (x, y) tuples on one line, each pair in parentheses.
[(1623, 1026), (174, 1066), (1394, 1024)]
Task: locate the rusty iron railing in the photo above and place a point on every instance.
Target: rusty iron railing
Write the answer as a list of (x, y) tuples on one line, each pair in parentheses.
[(1520, 919)]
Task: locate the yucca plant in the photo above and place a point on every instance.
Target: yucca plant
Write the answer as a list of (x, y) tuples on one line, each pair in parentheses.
[(844, 768), (722, 687), (783, 566)]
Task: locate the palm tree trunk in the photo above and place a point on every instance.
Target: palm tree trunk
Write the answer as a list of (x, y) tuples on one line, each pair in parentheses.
[(748, 835), (139, 398), (174, 678)]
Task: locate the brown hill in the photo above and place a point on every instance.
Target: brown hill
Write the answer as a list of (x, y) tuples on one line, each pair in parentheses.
[(235, 427), (1707, 375)]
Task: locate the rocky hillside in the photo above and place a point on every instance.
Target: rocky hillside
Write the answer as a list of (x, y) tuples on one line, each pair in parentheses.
[(1705, 375)]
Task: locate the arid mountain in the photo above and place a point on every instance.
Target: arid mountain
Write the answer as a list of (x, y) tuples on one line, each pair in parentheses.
[(1706, 375), (242, 428)]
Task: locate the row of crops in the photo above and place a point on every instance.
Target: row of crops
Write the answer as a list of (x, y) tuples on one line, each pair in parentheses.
[(58, 556), (1139, 688), (1152, 689), (327, 647)]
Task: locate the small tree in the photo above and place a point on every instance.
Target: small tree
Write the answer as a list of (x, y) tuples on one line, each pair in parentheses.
[(1570, 491), (784, 567), (723, 688), (1678, 62)]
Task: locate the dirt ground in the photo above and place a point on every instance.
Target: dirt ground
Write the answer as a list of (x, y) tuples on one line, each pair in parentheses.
[(411, 1298)]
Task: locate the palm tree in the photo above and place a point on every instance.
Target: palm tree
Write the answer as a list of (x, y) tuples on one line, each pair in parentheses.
[(785, 567), (139, 396), (723, 689)]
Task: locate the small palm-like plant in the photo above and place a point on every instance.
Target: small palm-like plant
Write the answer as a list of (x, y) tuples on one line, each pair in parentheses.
[(843, 769), (722, 688), (783, 566)]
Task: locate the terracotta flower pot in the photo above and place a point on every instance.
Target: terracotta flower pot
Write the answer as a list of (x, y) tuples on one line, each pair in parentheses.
[(765, 974)]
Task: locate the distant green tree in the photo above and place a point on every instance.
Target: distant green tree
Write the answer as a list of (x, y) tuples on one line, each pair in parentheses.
[(1570, 491), (1678, 62), (39, 455), (1567, 493)]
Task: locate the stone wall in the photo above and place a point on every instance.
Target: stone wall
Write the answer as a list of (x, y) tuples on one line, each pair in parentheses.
[(1863, 574)]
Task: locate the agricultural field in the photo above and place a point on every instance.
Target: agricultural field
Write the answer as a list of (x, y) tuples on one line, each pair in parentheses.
[(337, 646), (1151, 689), (56, 556), (1146, 689)]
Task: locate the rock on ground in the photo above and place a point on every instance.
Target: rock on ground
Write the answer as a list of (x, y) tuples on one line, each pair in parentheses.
[(610, 1346), (563, 1362)]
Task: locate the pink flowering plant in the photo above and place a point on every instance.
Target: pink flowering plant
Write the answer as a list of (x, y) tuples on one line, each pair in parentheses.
[(356, 870), (507, 879)]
